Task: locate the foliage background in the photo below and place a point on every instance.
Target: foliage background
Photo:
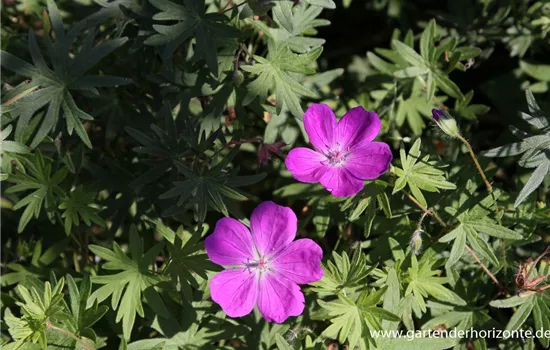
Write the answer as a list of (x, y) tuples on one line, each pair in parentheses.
[(130, 126)]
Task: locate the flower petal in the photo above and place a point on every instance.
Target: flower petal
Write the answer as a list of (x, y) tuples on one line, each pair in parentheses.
[(369, 161), (320, 125), (357, 125), (279, 298), (340, 182), (305, 164), (300, 262), (273, 227), (235, 290), (230, 243)]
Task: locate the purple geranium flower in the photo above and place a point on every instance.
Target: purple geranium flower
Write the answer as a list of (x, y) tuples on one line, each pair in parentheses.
[(344, 155), (266, 265)]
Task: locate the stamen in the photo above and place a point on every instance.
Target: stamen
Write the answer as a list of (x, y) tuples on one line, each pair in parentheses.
[(257, 265), (337, 156)]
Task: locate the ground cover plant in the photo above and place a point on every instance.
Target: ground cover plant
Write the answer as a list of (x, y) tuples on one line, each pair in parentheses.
[(273, 174)]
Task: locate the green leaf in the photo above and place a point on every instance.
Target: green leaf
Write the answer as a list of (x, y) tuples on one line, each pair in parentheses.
[(282, 14), (424, 280), (494, 230), (44, 184), (188, 261), (351, 321), (329, 4), (411, 72), (39, 305), (426, 41), (126, 287), (409, 54), (304, 24), (536, 113), (68, 74), (281, 343), (536, 71), (343, 274), (481, 247), (192, 21), (510, 302), (533, 183), (13, 147), (447, 85), (419, 174), (520, 316), (382, 314), (533, 147), (414, 109), (17, 65), (78, 206), (273, 76), (82, 317), (468, 52), (203, 192), (541, 316), (458, 247)]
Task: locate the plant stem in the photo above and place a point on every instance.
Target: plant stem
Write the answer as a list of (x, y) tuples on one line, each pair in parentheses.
[(479, 169), (483, 266), (490, 189), (504, 265), (233, 7), (69, 334), (426, 210), (531, 292), (419, 224), (20, 96), (433, 214)]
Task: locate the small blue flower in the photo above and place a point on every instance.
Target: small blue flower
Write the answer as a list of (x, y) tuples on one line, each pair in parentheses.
[(437, 113), (445, 122)]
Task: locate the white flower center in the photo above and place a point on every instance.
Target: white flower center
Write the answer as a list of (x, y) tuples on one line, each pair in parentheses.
[(258, 265), (336, 156)]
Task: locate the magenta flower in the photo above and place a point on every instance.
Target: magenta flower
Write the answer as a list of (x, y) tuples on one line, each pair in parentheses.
[(344, 154), (266, 266)]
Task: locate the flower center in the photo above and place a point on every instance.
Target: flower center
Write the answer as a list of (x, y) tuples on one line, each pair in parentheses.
[(259, 265), (336, 156)]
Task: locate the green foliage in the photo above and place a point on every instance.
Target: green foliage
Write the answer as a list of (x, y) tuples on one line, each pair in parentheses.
[(126, 287), (8, 152), (536, 304), (207, 190), (45, 185), (353, 320), (273, 76), (534, 148), (193, 21), (423, 280), (129, 128), (51, 87), (77, 207), (419, 174), (188, 264), (82, 317), (473, 220), (343, 275), (39, 310), (366, 201)]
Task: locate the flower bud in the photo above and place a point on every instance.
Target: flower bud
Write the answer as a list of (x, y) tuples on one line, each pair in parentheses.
[(237, 78), (265, 150), (416, 242), (445, 122)]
